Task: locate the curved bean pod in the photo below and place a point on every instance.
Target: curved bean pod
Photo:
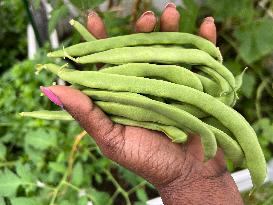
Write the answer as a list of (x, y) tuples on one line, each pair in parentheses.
[(231, 148), (175, 134), (160, 55), (159, 38), (243, 132), (171, 73), (217, 124)]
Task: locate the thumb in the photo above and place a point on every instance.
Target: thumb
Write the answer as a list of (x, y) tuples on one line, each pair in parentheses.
[(96, 123)]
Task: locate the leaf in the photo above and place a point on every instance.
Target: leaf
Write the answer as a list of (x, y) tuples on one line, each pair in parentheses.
[(25, 173), (56, 15), (87, 4), (57, 167), (77, 174), (248, 86), (40, 139), (9, 182), (100, 198), (141, 195), (3, 151), (224, 9), (2, 201), (255, 40), (189, 13), (25, 201)]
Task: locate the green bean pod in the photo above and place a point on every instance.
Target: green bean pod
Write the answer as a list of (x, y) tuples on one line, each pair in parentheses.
[(175, 134), (158, 38), (171, 73), (240, 128), (48, 115), (159, 55), (86, 35)]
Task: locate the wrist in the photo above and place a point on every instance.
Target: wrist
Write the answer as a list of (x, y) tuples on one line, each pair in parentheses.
[(219, 189)]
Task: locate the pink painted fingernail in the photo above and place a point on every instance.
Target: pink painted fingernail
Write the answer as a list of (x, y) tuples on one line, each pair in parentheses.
[(147, 13), (51, 96), (170, 5), (209, 19)]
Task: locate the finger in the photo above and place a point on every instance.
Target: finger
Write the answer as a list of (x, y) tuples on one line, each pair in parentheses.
[(208, 29), (195, 147), (89, 116), (169, 20), (146, 23), (96, 26)]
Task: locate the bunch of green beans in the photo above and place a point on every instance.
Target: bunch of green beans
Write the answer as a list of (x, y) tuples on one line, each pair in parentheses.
[(148, 82)]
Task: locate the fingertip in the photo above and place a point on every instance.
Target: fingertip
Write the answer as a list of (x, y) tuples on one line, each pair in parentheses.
[(146, 22), (95, 25), (207, 29), (170, 18)]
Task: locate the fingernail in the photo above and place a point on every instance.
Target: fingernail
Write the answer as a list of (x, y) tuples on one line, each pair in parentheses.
[(209, 19), (147, 13), (170, 5), (51, 96), (92, 14)]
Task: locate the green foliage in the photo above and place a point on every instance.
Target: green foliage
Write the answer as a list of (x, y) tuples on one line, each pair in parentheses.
[(13, 26), (56, 15), (9, 183), (255, 39)]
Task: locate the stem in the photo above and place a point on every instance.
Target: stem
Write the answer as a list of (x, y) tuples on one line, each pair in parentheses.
[(135, 11), (141, 184), (259, 94), (33, 23), (8, 164), (77, 189)]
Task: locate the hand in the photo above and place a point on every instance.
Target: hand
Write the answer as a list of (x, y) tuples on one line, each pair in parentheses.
[(177, 171)]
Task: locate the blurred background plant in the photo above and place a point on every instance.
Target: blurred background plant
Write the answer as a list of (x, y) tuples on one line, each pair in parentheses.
[(61, 164)]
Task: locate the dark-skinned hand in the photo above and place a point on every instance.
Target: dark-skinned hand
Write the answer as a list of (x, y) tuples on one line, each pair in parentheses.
[(177, 171)]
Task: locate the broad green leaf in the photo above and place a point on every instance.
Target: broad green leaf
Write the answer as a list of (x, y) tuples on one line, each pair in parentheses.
[(9, 182), (3, 151), (40, 139), (25, 201), (56, 16), (77, 174), (255, 39)]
